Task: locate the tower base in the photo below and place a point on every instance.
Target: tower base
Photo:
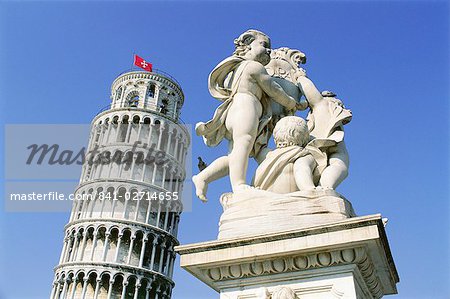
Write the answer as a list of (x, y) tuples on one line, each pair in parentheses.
[(345, 259)]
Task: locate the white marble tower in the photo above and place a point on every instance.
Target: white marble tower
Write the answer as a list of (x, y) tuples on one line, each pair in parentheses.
[(119, 240)]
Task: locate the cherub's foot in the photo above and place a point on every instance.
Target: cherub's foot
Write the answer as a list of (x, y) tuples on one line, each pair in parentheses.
[(200, 188)]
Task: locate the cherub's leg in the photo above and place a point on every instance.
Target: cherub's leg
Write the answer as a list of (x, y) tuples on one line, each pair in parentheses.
[(242, 122), (337, 170), (238, 158), (303, 172), (216, 170), (244, 132)]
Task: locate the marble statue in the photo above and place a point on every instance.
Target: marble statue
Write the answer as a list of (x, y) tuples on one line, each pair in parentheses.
[(294, 184), (289, 234), (244, 118)]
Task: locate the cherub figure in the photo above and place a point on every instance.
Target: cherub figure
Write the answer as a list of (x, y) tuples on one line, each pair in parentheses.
[(326, 119), (302, 161), (294, 164), (244, 86)]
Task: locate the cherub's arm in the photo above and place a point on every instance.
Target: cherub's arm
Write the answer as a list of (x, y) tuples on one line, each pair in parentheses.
[(269, 86), (312, 94)]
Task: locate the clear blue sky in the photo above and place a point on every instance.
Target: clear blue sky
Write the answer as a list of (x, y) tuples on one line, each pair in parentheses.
[(387, 60)]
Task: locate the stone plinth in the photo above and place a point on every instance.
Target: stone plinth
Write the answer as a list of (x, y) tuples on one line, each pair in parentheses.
[(346, 259)]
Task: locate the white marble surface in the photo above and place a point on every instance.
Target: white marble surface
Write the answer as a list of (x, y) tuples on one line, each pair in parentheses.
[(255, 212), (344, 259)]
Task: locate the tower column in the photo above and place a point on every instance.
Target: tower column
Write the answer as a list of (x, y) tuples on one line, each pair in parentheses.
[(54, 289), (152, 260), (111, 285), (74, 210), (63, 251), (83, 245), (63, 294), (124, 289), (119, 127), (127, 134), (74, 287), (166, 217), (97, 287), (158, 216), (149, 207), (125, 205), (171, 263), (101, 134), (113, 206), (104, 137), (119, 240), (164, 176), (85, 285), (175, 151), (147, 291), (130, 251), (105, 246), (149, 139), (103, 202), (175, 189), (136, 290), (69, 248), (169, 141), (162, 256), (92, 207), (172, 223), (154, 174), (108, 135), (73, 254), (141, 256), (140, 124), (172, 173), (94, 243), (177, 219), (161, 130), (136, 214)]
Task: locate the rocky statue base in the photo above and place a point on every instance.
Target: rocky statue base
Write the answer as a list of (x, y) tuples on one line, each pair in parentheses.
[(255, 212), (348, 258)]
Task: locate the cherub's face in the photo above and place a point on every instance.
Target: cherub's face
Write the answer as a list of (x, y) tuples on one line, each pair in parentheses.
[(260, 50)]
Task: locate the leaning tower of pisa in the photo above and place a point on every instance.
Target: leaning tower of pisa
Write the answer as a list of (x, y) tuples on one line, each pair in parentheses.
[(123, 227)]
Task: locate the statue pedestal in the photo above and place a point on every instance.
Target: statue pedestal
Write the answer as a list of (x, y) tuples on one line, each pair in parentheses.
[(345, 259)]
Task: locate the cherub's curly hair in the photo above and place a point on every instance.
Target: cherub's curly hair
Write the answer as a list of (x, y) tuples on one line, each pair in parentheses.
[(291, 130), (242, 43)]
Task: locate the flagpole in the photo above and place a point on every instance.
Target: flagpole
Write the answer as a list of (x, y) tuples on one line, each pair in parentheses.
[(133, 61)]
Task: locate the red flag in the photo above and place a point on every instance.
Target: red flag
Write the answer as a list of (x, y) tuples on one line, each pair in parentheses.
[(140, 62)]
